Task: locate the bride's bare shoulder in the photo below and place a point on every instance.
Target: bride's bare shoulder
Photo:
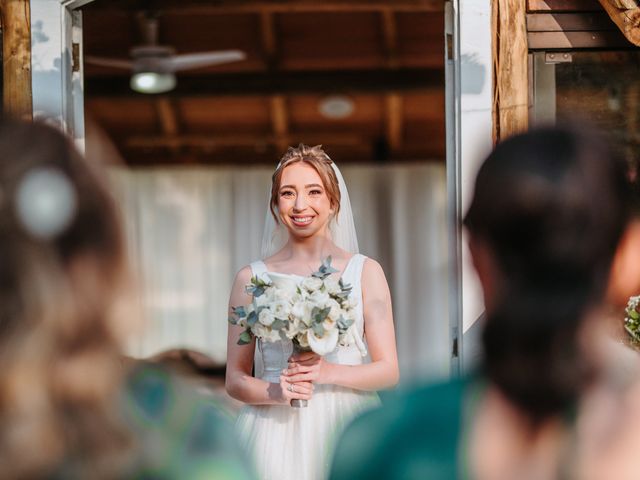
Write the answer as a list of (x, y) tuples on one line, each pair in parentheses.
[(373, 270), (244, 275)]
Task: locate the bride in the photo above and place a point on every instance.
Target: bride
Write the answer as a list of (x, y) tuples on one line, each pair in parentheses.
[(309, 218)]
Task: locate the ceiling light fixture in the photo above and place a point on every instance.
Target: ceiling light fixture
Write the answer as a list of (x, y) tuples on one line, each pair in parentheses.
[(153, 82), (336, 107), (153, 66)]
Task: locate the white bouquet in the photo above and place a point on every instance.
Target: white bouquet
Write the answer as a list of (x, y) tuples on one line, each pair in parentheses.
[(316, 313)]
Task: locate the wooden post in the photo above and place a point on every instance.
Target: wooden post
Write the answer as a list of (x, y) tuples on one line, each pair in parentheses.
[(510, 68), (16, 58), (626, 15), (394, 121)]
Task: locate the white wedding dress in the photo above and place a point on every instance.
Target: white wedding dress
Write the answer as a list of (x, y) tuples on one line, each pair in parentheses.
[(297, 443)]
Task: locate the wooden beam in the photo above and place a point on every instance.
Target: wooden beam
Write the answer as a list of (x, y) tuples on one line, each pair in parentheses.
[(167, 116), (269, 39), (16, 58), (390, 35), (168, 120), (627, 19), (275, 83), (280, 122), (510, 68), (267, 156), (394, 121), (191, 7), (572, 40), (569, 22), (563, 6), (212, 142)]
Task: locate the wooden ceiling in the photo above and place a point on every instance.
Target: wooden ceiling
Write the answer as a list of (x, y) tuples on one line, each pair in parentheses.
[(386, 56)]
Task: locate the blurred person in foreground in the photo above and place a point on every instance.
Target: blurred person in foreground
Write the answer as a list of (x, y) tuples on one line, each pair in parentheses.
[(203, 373), (549, 217), (68, 408)]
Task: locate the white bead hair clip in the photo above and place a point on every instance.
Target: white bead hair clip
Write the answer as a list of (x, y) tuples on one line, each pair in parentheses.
[(46, 202)]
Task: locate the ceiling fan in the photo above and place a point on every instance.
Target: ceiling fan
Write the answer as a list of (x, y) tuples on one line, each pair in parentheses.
[(153, 66)]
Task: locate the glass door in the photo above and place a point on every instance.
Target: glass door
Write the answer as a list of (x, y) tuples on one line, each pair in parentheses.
[(599, 87)]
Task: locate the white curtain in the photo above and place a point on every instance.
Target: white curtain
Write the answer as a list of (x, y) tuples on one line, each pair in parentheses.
[(191, 229)]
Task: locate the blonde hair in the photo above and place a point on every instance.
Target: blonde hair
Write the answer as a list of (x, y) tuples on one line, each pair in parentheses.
[(59, 347), (320, 161)]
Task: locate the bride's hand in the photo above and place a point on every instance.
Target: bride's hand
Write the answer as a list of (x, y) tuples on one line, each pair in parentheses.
[(294, 390), (307, 367)]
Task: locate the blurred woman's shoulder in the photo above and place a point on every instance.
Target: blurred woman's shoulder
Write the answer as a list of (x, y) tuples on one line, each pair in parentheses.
[(415, 434), (181, 432)]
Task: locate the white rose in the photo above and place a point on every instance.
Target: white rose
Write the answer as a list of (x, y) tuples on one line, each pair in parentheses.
[(329, 324), (325, 344), (266, 317), (293, 328), (259, 330), (262, 300), (302, 311), (312, 283), (297, 309), (282, 295), (319, 298), (281, 309), (336, 310), (332, 286)]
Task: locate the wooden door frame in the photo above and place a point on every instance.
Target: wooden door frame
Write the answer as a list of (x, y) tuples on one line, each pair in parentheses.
[(469, 85), (16, 58), (510, 68)]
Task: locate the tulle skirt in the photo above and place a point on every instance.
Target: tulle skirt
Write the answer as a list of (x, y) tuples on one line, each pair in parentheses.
[(297, 443)]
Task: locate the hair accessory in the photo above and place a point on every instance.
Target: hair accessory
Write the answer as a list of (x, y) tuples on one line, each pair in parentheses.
[(45, 202)]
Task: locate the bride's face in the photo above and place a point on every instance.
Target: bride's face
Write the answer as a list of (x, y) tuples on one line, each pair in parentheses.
[(303, 205)]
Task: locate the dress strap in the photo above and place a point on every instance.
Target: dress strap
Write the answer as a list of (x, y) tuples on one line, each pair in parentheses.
[(353, 272), (258, 269)]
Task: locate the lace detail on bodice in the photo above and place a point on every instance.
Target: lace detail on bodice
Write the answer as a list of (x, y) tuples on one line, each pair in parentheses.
[(272, 357)]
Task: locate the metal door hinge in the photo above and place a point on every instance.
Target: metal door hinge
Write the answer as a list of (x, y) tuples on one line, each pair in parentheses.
[(557, 57)]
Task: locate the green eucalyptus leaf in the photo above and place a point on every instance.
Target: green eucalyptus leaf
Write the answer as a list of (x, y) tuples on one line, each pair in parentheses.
[(325, 269), (245, 338), (344, 323), (278, 324), (324, 313), (318, 329)]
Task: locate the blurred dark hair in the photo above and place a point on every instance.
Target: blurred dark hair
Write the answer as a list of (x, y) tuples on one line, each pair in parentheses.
[(551, 205), (59, 343)]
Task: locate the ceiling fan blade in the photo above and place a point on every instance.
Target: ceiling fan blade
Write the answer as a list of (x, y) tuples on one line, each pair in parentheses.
[(109, 62), (188, 61)]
